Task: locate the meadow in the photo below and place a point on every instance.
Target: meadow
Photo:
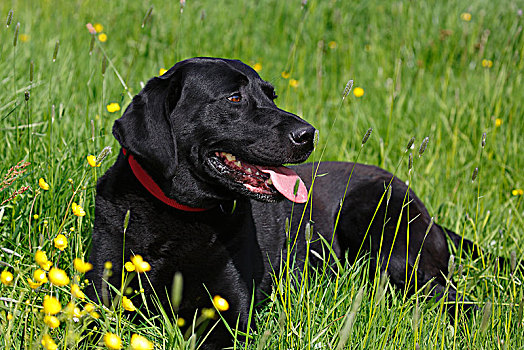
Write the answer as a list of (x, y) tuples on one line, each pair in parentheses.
[(451, 71)]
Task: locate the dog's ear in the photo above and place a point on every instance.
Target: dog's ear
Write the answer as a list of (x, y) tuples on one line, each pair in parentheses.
[(145, 129)]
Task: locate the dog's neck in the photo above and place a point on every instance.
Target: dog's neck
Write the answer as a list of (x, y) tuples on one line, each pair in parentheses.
[(152, 187)]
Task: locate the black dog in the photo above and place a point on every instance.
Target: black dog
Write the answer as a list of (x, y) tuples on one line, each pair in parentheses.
[(208, 134)]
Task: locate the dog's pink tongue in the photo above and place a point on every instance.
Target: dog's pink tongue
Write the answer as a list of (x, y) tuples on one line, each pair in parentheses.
[(285, 180)]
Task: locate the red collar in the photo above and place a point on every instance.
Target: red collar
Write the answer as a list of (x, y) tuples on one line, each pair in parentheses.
[(145, 179)]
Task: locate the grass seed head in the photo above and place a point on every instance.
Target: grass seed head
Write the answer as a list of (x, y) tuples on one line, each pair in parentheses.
[(308, 231), (347, 89), (9, 19), (147, 17), (92, 44), (486, 314), (103, 154), (126, 220), (416, 317), (15, 38), (423, 146), (513, 261), (429, 226), (451, 265), (410, 143), (263, 340), (55, 52), (410, 161), (366, 136), (26, 95), (345, 331), (176, 290), (483, 143), (460, 270), (475, 173)]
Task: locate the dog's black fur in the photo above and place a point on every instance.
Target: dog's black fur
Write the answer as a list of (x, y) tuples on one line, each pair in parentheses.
[(173, 128)]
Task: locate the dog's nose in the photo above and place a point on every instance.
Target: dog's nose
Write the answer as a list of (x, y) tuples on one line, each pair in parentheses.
[(303, 136)]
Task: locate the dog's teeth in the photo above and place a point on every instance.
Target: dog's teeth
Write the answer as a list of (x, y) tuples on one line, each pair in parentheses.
[(238, 164), (249, 171), (257, 173), (269, 182), (230, 157)]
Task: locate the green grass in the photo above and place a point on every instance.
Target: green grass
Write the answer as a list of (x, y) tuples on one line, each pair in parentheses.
[(421, 67)]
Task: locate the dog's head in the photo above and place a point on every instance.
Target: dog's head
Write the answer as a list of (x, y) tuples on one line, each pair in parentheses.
[(208, 130)]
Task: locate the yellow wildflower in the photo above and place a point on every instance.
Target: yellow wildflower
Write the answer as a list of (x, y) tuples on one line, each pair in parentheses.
[(51, 321), (6, 277), (180, 322), (465, 16), (9, 316), (108, 265), (332, 45), (498, 122), (487, 63), (41, 260), (24, 38), (285, 75), (140, 264), (293, 83), (113, 341), (72, 311), (40, 276), (257, 67), (35, 216), (32, 284), (82, 266), (91, 159), (127, 304), (162, 71), (51, 305), (58, 277), (139, 342), (517, 192), (102, 37), (78, 210), (98, 27), (129, 266), (60, 242), (220, 303), (358, 92), (208, 313), (113, 107), (95, 315), (48, 343), (43, 185), (89, 307), (76, 292)]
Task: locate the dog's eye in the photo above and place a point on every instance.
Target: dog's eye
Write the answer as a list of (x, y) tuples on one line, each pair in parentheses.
[(235, 98), (275, 96)]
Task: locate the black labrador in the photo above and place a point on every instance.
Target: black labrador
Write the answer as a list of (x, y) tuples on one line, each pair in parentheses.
[(201, 172)]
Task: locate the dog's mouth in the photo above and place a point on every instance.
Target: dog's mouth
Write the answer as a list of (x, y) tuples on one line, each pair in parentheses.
[(264, 181)]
